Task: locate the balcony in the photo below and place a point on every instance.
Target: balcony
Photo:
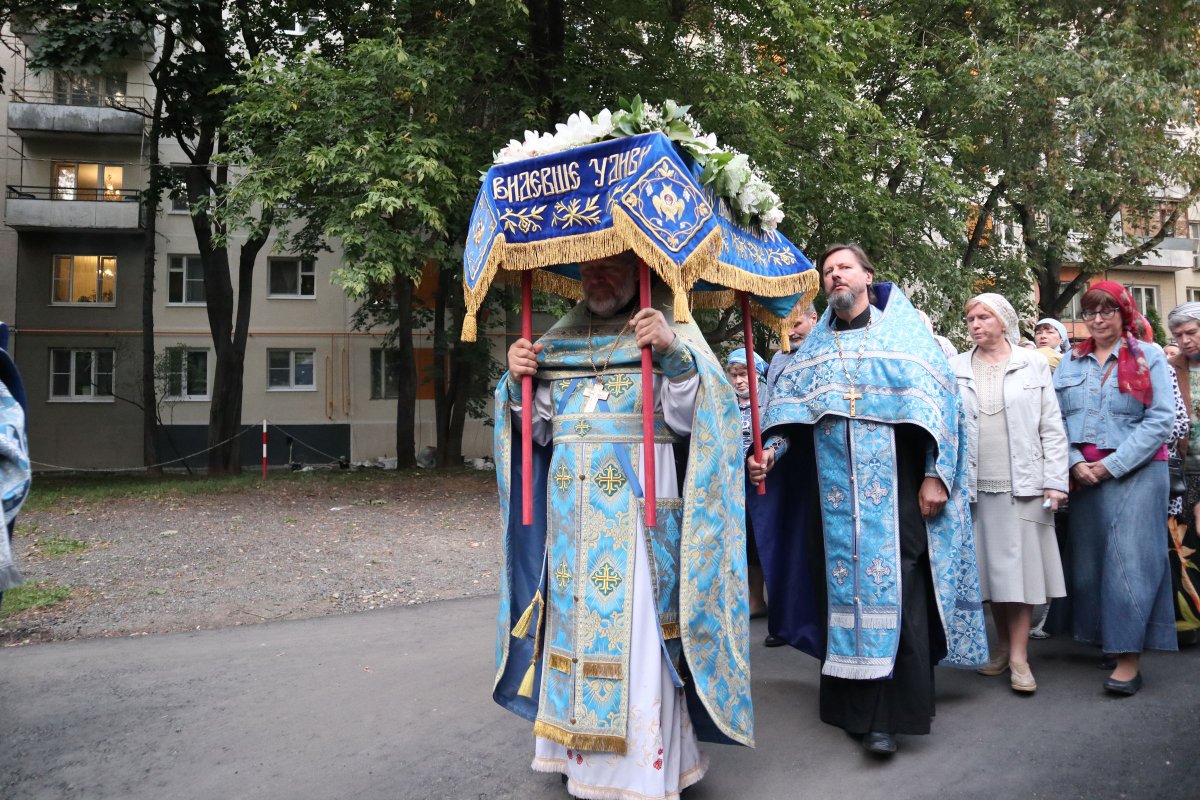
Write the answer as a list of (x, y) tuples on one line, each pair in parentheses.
[(45, 208), (38, 114)]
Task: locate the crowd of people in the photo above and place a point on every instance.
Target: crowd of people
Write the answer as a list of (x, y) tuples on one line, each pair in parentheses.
[(910, 490)]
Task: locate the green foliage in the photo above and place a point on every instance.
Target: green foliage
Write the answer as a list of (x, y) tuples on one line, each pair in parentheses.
[(55, 546), (36, 594), (1156, 326)]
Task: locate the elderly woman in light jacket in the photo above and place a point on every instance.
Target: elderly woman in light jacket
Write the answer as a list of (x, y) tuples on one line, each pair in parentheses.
[(1018, 477)]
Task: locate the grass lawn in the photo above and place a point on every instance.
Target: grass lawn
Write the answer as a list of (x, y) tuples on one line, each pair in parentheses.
[(38, 594)]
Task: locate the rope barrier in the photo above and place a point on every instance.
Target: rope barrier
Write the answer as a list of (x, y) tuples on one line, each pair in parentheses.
[(141, 468)]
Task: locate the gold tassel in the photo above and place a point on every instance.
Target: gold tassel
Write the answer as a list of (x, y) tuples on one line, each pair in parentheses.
[(521, 629), (468, 329), (526, 689), (680, 312)]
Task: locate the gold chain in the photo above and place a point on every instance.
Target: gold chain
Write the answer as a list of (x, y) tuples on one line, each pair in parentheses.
[(862, 348), (611, 351)]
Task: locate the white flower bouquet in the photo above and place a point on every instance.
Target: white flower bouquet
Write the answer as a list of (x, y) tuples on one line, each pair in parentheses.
[(728, 171)]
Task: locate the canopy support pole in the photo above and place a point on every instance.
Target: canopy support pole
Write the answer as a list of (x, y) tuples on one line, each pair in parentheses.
[(752, 377), (648, 472), (527, 403)]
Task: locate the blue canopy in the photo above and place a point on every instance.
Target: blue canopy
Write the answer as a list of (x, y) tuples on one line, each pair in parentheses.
[(638, 193)]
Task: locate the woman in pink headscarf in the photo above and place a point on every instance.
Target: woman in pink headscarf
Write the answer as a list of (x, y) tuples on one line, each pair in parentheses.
[(1118, 407)]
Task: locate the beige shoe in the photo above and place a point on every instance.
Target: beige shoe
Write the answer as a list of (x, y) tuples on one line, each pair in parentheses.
[(997, 666), (1022, 678)]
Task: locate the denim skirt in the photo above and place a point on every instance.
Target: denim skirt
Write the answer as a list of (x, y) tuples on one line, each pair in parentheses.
[(1120, 581)]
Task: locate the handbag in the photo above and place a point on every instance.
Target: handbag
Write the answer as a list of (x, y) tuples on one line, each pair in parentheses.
[(1178, 486)]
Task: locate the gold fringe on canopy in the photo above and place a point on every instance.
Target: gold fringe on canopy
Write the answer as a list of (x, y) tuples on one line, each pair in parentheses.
[(595, 742), (723, 274), (475, 296)]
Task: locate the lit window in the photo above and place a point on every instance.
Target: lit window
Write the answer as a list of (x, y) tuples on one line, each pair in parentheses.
[(291, 277), (385, 374), (75, 180), (84, 280), (187, 374), (185, 280), (290, 369), (81, 374), (1071, 312)]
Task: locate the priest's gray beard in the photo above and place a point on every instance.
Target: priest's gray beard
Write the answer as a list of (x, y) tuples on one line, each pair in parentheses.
[(842, 300), (607, 306)]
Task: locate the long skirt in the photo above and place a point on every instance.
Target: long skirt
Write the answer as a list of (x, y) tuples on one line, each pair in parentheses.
[(1120, 583), (1017, 550), (1185, 563), (662, 756)]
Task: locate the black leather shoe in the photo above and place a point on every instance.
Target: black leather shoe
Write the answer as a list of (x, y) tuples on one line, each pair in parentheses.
[(879, 744), (1123, 688), (773, 641)]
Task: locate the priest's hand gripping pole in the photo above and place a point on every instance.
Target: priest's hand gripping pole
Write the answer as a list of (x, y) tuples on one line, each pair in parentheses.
[(648, 473), (752, 376), (527, 403)]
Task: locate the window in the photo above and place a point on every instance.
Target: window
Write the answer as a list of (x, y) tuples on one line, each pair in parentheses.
[(291, 277), (178, 190), (1146, 297), (187, 374), (81, 374), (385, 374), (84, 279), (1071, 312), (1193, 294), (298, 27), (1145, 224), (185, 280), (89, 90), (84, 181), (290, 369), (1194, 234)]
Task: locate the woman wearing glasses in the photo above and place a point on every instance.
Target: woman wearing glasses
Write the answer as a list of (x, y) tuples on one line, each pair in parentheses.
[(1118, 407)]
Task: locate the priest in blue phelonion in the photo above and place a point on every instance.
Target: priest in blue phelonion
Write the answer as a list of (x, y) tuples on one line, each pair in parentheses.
[(635, 642), (865, 534)]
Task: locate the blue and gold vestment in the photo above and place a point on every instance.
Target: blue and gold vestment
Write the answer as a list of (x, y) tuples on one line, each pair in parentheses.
[(900, 376), (579, 553)]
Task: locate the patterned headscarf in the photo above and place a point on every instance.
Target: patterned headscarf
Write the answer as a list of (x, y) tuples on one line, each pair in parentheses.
[(1188, 312), (1133, 373), (1065, 344), (1002, 309), (739, 357)]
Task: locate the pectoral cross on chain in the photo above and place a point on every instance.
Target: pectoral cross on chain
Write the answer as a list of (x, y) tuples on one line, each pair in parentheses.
[(852, 395), (594, 394)]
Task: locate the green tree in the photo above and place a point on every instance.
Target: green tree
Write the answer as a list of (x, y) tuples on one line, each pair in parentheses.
[(203, 46)]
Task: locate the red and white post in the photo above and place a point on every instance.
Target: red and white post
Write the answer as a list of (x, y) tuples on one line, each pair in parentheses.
[(264, 443)]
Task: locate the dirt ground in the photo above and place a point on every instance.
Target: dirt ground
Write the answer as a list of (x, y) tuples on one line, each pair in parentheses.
[(150, 557)]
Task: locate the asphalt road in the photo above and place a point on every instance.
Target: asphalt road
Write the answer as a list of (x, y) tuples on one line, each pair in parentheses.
[(395, 703)]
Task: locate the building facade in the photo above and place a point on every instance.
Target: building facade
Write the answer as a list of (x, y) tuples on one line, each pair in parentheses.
[(72, 254)]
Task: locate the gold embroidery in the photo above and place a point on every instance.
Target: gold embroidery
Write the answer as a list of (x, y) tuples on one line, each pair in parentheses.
[(569, 213), (562, 478), (618, 384), (595, 742), (602, 669), (610, 480), (670, 630), (526, 221), (582, 427), (606, 579), (560, 662), (564, 575)]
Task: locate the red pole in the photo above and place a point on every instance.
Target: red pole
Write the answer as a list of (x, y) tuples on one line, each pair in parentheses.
[(748, 333), (647, 410), (264, 468), (527, 403)]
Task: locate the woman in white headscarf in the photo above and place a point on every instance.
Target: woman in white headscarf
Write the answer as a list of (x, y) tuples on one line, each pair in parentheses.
[(1017, 478)]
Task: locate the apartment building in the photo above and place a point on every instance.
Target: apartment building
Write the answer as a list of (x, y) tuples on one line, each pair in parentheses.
[(72, 251)]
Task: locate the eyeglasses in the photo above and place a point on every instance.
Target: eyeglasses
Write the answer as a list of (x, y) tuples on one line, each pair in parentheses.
[(1104, 313)]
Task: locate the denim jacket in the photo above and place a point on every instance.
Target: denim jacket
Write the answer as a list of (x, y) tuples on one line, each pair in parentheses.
[(1097, 412)]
